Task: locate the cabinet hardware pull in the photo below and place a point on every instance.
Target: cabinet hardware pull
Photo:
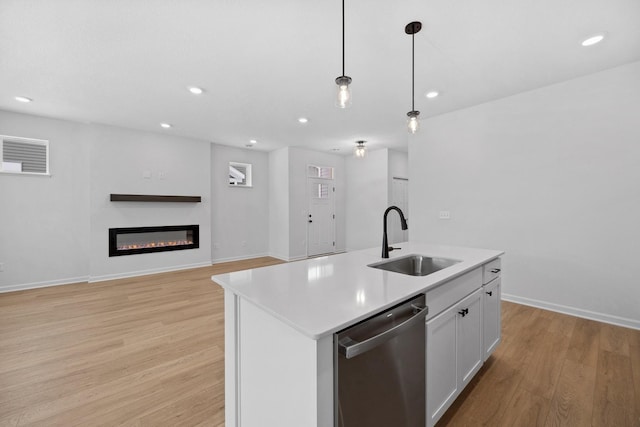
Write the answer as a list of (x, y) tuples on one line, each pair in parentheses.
[(495, 270), (490, 293)]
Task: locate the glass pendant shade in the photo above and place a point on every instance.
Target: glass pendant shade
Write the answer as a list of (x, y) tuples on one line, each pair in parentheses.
[(344, 93), (360, 151), (412, 121)]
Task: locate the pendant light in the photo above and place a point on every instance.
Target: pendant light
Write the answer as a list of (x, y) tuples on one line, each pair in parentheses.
[(343, 82), (412, 28), (360, 151)]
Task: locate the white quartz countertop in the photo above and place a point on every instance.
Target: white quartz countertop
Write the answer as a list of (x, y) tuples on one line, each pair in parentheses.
[(323, 295)]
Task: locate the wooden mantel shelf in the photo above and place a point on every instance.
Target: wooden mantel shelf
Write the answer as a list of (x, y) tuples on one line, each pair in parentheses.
[(154, 198)]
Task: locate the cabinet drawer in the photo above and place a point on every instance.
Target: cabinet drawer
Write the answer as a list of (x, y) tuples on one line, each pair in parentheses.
[(451, 292), (491, 270)]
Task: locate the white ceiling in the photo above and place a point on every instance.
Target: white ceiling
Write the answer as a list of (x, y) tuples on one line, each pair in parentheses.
[(263, 63)]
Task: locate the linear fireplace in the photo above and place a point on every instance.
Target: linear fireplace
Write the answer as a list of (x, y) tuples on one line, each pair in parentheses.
[(141, 240)]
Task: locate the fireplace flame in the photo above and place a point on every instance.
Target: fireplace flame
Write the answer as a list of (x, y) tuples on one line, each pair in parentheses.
[(154, 244)]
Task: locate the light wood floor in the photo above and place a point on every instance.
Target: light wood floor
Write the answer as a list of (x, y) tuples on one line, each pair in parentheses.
[(149, 351)]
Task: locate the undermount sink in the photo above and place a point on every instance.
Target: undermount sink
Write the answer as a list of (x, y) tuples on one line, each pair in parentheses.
[(415, 265)]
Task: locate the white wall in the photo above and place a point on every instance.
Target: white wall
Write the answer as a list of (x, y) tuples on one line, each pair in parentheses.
[(279, 203), (119, 159), (44, 221), (55, 229), (551, 177), (398, 164), (367, 198), (239, 216), (398, 168)]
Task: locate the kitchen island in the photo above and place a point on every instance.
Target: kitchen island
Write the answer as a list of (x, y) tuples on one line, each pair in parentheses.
[(280, 321)]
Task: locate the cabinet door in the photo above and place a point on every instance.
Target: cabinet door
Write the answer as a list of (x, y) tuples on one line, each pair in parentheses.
[(442, 379), (469, 325), (491, 317)]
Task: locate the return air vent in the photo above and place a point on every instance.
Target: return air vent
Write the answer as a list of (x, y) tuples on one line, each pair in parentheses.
[(24, 155)]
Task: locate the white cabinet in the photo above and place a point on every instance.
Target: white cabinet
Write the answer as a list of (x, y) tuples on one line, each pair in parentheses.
[(491, 294), (462, 330), (469, 337), (442, 374), (454, 353)]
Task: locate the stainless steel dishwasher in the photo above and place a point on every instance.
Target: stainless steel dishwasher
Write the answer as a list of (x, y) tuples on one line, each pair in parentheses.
[(379, 369)]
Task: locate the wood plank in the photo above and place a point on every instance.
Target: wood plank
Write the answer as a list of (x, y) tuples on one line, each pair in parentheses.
[(614, 339), (571, 403), (585, 342), (634, 356), (614, 399), (525, 409), (541, 370)]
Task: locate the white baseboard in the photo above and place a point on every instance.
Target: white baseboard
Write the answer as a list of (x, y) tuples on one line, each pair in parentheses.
[(145, 272), (573, 311), (238, 258), (35, 285)]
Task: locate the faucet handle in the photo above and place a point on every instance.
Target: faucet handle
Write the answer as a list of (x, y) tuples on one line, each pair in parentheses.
[(391, 248)]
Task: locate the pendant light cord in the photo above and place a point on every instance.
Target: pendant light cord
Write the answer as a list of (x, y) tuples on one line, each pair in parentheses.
[(413, 72), (343, 37)]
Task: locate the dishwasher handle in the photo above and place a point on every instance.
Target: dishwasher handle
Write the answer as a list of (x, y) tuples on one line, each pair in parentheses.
[(350, 348)]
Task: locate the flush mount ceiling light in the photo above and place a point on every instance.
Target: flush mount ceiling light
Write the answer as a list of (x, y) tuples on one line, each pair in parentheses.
[(23, 99), (253, 141), (166, 125), (343, 82), (412, 28), (432, 94), (303, 120), (360, 151), (196, 90), (594, 39)]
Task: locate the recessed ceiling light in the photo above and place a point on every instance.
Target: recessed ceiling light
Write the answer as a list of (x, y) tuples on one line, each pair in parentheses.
[(165, 125), (253, 141), (23, 99), (597, 38), (303, 120), (432, 94), (196, 90)]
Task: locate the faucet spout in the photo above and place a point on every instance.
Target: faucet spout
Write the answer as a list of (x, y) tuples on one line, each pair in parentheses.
[(403, 224)]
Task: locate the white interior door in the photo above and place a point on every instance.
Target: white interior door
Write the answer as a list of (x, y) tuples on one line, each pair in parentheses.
[(399, 198), (321, 222)]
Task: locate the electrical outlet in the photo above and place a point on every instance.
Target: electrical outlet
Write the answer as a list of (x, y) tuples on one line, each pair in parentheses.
[(1, 266), (146, 174), (162, 175), (243, 243), (444, 215)]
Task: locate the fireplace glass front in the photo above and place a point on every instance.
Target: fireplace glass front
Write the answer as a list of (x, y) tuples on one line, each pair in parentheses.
[(138, 240)]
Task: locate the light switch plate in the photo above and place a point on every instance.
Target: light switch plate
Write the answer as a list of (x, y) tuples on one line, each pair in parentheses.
[(444, 215)]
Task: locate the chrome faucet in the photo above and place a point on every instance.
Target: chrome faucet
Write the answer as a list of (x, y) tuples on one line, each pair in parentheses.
[(385, 246)]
